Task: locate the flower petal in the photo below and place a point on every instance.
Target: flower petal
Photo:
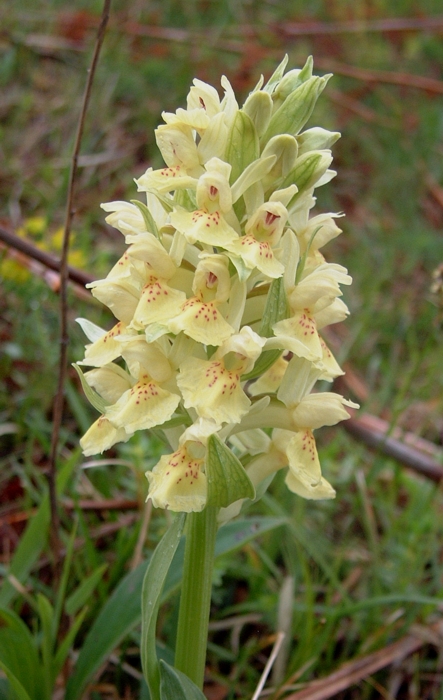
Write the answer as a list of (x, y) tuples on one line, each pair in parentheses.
[(201, 321), (158, 303), (178, 483), (213, 391), (101, 436), (317, 410), (165, 180), (144, 406), (299, 335), (203, 226), (105, 349), (256, 254)]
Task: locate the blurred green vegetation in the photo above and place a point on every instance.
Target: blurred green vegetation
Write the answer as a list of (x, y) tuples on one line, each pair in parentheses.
[(367, 566)]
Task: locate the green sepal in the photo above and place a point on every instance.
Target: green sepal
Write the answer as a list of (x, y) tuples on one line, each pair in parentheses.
[(153, 582), (150, 224), (296, 109), (242, 146), (175, 685), (165, 201), (226, 476), (316, 139), (92, 396)]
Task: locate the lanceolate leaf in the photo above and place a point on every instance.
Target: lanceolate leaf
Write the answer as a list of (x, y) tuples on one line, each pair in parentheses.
[(152, 588), (175, 685), (122, 612), (119, 615), (82, 594), (19, 658), (227, 478), (19, 691)]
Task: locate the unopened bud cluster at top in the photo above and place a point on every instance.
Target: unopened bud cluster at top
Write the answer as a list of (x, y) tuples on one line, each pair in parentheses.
[(221, 295)]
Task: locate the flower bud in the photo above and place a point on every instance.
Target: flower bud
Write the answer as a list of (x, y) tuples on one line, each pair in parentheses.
[(291, 81), (296, 109), (316, 139), (258, 107)]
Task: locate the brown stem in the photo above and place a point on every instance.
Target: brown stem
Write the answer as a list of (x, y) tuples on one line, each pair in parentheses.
[(64, 337), (50, 261)]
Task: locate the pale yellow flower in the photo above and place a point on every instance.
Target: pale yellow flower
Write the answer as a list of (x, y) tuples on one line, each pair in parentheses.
[(213, 387), (224, 250), (165, 180), (143, 406), (101, 436), (158, 303), (103, 347), (304, 475), (262, 233), (124, 214), (200, 316), (319, 287), (207, 223), (178, 481), (299, 335)]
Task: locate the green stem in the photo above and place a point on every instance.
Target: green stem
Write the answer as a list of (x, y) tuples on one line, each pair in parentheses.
[(195, 601)]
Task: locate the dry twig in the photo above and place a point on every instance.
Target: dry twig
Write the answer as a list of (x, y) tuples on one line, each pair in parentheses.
[(395, 24), (409, 80), (354, 671), (363, 429), (64, 336), (50, 261)]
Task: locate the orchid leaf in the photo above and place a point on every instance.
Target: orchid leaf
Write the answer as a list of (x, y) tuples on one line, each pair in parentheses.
[(122, 611), (151, 593), (175, 685)]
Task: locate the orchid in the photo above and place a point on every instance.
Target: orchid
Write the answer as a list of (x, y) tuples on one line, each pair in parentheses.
[(225, 254), (221, 298)]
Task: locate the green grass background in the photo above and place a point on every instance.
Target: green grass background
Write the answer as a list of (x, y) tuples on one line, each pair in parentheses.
[(368, 566)]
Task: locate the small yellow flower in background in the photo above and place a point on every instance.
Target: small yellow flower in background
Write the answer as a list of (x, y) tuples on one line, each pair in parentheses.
[(221, 297), (38, 231)]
